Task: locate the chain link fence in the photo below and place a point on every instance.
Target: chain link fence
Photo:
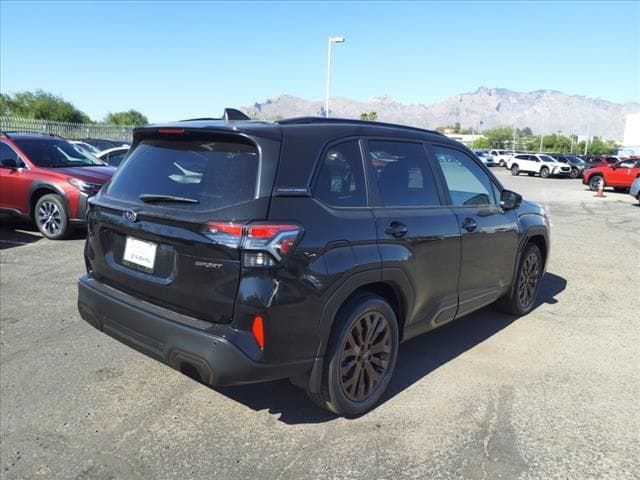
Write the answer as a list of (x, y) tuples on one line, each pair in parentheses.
[(71, 131)]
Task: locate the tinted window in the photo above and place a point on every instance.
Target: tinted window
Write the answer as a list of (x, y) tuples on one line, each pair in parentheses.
[(214, 172), (402, 173), (340, 180), (6, 153), (115, 158), (55, 153), (627, 164), (468, 184)]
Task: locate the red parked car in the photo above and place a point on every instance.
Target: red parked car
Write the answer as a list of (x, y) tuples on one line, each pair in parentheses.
[(47, 179), (619, 175)]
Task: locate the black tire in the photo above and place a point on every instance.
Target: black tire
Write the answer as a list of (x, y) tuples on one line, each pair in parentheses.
[(359, 362), (594, 182), (522, 298), (50, 216), (502, 163), (544, 172), (515, 169), (574, 173)]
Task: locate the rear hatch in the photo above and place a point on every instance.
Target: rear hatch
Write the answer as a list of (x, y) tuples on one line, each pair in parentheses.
[(150, 229)]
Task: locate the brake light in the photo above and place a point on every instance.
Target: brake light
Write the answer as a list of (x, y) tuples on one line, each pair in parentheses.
[(257, 328), (276, 239), (228, 234), (229, 228), (262, 244), (171, 131)]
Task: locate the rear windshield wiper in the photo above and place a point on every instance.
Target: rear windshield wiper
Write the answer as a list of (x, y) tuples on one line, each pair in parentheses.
[(153, 197)]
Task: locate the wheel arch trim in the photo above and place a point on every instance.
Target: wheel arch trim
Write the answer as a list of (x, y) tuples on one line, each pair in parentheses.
[(394, 278)]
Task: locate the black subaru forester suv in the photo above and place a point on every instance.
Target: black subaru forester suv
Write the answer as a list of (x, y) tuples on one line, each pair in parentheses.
[(239, 251)]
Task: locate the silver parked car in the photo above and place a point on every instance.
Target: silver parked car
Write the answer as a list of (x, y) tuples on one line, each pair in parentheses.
[(486, 158), (634, 190)]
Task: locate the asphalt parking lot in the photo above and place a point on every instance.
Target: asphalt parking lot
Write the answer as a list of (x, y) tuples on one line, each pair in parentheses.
[(550, 395)]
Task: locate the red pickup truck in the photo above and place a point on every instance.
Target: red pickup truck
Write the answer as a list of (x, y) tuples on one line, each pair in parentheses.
[(619, 175)]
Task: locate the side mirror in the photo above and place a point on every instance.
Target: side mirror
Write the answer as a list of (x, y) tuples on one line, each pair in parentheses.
[(9, 163), (510, 200)]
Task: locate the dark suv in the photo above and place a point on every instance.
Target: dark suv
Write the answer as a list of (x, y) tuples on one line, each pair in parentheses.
[(239, 251), (49, 180)]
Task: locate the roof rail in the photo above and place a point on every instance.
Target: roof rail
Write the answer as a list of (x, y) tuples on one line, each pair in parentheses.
[(305, 120)]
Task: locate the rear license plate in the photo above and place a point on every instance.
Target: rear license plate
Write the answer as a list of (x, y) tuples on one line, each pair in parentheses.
[(140, 253)]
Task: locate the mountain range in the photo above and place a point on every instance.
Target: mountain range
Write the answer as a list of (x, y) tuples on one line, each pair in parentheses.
[(544, 111)]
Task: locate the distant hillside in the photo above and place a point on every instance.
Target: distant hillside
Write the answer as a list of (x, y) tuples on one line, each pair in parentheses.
[(544, 111)]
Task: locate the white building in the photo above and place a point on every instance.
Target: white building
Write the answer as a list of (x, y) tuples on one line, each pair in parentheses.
[(631, 141)]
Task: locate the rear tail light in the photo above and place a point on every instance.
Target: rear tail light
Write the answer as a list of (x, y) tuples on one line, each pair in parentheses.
[(262, 244)]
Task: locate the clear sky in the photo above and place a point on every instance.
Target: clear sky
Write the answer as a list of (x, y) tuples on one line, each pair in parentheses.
[(172, 60)]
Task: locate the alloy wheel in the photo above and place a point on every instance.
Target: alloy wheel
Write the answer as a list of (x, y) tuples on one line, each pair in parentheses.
[(595, 182), (365, 357), (528, 281), (50, 218)]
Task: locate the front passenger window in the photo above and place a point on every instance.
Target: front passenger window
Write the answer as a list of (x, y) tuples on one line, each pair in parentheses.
[(468, 184)]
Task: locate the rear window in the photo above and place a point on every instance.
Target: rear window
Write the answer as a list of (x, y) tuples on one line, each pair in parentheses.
[(211, 173)]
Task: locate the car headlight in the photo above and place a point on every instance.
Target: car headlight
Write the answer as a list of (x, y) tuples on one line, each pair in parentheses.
[(83, 186)]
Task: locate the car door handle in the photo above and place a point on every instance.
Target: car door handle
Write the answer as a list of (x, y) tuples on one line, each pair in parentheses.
[(396, 229), (469, 224)]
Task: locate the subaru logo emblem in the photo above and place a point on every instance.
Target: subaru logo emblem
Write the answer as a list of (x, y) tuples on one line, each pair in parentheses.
[(130, 215)]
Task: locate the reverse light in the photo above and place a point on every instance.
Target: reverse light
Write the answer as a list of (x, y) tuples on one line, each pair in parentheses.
[(257, 328)]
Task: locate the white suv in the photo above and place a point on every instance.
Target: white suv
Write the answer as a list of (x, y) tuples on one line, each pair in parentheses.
[(532, 163), (501, 157)]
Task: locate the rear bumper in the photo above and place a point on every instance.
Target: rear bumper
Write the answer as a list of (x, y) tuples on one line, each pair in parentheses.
[(216, 358)]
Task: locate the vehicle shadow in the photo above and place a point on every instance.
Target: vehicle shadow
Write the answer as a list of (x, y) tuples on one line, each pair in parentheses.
[(17, 232), (417, 358)]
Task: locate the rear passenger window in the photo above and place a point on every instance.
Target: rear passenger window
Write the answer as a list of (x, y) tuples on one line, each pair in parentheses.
[(403, 176), (468, 184), (340, 180)]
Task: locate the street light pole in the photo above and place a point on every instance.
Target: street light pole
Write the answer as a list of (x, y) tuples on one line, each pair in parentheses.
[(586, 142), (326, 100)]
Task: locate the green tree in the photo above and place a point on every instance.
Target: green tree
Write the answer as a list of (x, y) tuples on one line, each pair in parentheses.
[(41, 105), (370, 116), (599, 147), (132, 117), (499, 137), (481, 143)]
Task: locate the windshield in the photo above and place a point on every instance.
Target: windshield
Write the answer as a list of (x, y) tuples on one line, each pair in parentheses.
[(547, 158), (573, 159), (56, 153)]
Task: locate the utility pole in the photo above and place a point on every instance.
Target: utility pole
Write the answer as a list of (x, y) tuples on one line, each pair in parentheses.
[(586, 142)]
